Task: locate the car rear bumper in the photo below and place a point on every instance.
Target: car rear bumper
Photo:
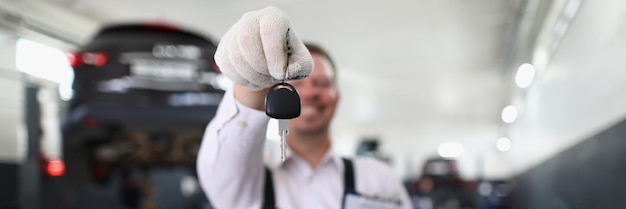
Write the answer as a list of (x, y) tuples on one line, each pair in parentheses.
[(94, 120)]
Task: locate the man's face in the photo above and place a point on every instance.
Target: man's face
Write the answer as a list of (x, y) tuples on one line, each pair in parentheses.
[(318, 96)]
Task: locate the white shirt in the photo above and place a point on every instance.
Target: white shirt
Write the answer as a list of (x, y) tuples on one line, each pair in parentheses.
[(231, 168)]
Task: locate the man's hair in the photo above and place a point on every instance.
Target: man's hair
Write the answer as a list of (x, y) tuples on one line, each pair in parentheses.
[(314, 48)]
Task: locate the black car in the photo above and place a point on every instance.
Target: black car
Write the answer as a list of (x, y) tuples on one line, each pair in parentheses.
[(143, 94)]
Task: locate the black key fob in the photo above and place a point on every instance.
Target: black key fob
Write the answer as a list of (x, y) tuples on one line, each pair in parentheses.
[(282, 102)]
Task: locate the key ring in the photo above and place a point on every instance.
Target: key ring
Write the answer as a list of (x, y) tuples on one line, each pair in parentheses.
[(288, 49)]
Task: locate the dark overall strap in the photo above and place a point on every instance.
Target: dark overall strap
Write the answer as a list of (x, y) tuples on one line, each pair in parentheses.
[(348, 175), (269, 199), (268, 193)]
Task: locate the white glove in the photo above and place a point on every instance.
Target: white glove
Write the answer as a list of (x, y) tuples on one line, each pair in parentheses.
[(253, 52)]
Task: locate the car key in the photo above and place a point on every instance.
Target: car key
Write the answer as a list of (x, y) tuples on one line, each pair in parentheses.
[(282, 102)]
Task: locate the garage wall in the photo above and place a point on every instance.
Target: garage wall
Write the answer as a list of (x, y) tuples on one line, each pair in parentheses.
[(587, 175), (579, 93)]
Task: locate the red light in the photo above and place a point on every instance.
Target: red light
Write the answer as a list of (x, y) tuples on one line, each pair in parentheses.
[(97, 59), (55, 168), (100, 59), (75, 59), (90, 122)]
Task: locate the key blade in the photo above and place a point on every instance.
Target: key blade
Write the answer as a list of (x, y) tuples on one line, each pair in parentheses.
[(283, 126), (283, 130), (283, 146)]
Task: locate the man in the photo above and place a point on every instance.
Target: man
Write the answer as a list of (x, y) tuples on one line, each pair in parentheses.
[(258, 51)]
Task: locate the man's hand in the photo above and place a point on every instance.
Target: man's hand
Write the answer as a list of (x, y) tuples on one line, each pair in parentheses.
[(253, 54)]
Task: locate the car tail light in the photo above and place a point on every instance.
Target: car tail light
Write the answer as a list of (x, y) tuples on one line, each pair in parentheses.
[(91, 58), (90, 122), (75, 59), (54, 168), (99, 59)]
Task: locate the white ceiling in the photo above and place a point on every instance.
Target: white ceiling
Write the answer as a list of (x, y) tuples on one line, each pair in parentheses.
[(413, 72)]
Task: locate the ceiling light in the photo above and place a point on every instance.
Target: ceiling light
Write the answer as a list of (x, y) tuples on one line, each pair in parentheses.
[(509, 114), (450, 150), (525, 75), (503, 144)]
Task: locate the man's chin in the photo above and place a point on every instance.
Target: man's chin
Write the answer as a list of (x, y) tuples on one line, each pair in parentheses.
[(310, 130)]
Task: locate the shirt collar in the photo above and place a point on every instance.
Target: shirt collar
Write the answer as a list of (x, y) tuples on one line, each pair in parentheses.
[(274, 161)]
